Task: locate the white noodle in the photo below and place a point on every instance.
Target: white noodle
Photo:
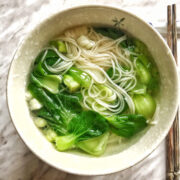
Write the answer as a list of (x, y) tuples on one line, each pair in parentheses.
[(106, 53)]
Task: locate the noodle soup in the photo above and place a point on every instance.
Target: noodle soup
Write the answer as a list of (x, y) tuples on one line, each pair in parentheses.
[(90, 83)]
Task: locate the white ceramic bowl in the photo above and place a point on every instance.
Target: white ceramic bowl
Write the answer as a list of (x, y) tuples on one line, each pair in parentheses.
[(117, 157)]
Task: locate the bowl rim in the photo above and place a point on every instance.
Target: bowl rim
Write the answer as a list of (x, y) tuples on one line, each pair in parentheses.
[(106, 171)]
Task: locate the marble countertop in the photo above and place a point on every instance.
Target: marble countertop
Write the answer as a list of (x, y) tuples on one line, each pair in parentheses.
[(17, 17)]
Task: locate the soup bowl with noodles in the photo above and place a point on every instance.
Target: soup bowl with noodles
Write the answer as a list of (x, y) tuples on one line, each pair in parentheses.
[(100, 84)]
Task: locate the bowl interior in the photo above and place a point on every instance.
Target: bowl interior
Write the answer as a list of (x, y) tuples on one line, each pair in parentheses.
[(117, 156)]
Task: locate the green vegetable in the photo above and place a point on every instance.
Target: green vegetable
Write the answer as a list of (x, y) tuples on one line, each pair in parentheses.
[(71, 83), (64, 143), (105, 90), (147, 70), (71, 101), (145, 105), (136, 46), (99, 107), (140, 47), (48, 57), (60, 45), (40, 122), (54, 124), (109, 32), (80, 76), (50, 135), (48, 102), (116, 75), (28, 96), (139, 89), (145, 61), (58, 106), (127, 125), (39, 70), (128, 44), (58, 109), (95, 146), (86, 125), (154, 84), (143, 73), (49, 82), (41, 76), (51, 54), (34, 104), (110, 72)]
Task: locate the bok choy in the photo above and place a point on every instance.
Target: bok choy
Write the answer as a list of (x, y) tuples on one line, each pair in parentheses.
[(86, 125), (92, 82), (127, 125)]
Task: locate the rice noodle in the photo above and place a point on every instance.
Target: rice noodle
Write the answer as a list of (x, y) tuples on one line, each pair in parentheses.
[(106, 53)]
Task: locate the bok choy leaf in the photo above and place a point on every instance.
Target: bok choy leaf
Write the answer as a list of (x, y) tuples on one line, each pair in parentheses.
[(49, 82), (86, 125), (145, 105), (127, 125), (95, 146)]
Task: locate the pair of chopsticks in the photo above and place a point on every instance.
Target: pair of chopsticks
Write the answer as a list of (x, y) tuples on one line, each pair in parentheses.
[(173, 158)]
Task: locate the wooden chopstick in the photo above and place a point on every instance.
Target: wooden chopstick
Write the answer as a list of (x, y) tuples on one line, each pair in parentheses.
[(176, 121), (172, 146), (169, 141), (174, 32)]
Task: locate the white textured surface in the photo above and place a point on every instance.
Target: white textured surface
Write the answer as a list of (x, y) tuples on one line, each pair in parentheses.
[(17, 17)]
